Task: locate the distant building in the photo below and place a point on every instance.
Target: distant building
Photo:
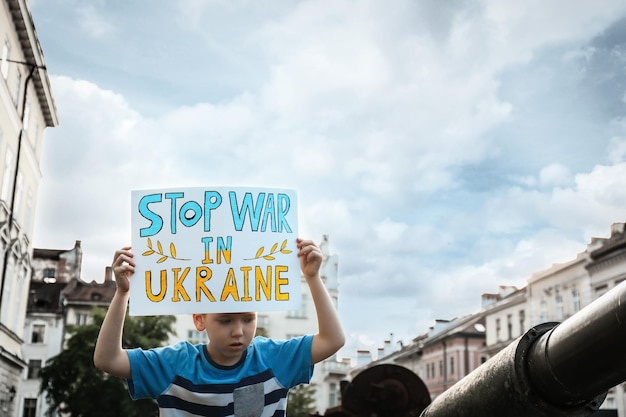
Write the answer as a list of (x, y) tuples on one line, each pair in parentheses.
[(450, 350), (286, 324), (559, 292), (57, 297), (506, 317), (445, 354), (26, 109)]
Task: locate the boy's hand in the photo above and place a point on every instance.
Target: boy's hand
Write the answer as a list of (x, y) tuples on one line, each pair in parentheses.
[(123, 267), (310, 257)]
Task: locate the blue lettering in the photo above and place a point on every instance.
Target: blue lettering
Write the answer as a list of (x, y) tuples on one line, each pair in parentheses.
[(212, 200), (283, 208), (247, 206), (269, 214), (173, 197), (190, 213), (156, 221)]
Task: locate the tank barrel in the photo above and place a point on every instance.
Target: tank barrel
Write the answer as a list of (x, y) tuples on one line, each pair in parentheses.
[(585, 355), (552, 370)]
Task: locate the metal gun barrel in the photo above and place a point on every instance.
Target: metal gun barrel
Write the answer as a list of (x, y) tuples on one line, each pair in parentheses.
[(552, 370), (585, 355)]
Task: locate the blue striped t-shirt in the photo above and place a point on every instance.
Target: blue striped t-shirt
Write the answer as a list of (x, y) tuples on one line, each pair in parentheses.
[(186, 382)]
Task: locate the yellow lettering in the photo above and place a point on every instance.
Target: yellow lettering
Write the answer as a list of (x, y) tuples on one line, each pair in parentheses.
[(178, 285), (226, 253), (280, 281), (230, 287), (203, 274), (158, 297), (265, 283), (246, 290), (207, 256)]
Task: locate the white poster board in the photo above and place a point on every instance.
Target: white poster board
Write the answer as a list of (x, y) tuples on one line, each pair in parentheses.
[(214, 249)]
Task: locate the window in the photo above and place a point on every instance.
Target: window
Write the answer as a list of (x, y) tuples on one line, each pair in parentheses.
[(301, 313), (559, 307), (543, 311), (509, 326), (28, 220), (4, 67), (497, 330), (18, 88), (7, 177), (26, 115), (430, 370), (30, 407), (522, 319), (82, 319), (19, 190), (452, 366), (37, 336), (195, 337), (34, 368), (440, 368), (575, 300), (601, 290), (49, 275), (332, 394)]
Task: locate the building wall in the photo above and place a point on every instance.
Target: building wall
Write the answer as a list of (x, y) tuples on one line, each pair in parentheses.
[(20, 145), (38, 348), (563, 289), (606, 267), (505, 321), (49, 311), (447, 362), (559, 292)]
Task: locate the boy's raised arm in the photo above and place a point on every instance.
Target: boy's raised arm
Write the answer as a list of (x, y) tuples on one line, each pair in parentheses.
[(109, 355), (330, 337)]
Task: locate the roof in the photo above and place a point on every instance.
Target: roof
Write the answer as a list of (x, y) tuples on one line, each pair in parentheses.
[(48, 253), (93, 293), (33, 54), (44, 297)]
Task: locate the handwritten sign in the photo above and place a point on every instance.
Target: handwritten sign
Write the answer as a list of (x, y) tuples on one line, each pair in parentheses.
[(214, 249)]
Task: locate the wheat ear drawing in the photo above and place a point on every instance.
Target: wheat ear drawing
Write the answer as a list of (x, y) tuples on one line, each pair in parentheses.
[(274, 250), (159, 251)]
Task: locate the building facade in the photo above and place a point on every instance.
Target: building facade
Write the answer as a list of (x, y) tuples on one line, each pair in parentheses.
[(57, 298), (506, 317), (559, 292), (26, 109)]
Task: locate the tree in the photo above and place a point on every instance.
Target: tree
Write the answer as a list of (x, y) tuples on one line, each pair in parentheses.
[(301, 402), (75, 387)]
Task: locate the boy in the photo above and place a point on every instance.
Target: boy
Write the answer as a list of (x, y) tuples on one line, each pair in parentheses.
[(234, 374)]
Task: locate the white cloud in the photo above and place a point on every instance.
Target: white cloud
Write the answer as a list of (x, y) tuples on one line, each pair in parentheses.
[(370, 112), (554, 175)]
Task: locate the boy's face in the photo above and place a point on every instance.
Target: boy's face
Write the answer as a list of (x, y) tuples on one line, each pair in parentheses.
[(229, 334)]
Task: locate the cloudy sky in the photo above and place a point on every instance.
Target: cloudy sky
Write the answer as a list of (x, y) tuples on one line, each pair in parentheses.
[(446, 148)]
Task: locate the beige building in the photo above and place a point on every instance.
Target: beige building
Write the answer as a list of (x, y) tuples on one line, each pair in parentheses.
[(557, 293), (26, 109), (506, 317)]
